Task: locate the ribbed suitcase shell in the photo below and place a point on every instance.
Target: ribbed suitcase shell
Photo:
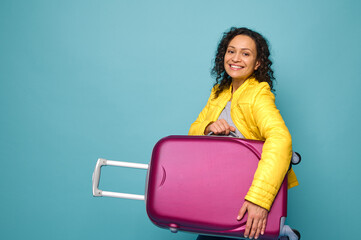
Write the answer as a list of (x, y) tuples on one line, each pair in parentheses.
[(198, 184)]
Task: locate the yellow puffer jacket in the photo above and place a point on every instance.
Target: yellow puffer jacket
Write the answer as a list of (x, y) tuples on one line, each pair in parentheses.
[(254, 113)]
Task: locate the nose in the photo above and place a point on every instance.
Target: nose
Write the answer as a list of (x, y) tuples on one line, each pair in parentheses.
[(236, 57)]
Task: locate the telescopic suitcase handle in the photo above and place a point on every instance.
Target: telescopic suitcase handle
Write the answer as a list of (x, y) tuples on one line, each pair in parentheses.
[(96, 177)]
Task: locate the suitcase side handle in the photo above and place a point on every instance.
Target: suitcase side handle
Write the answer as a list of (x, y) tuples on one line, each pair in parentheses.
[(232, 134), (96, 178)]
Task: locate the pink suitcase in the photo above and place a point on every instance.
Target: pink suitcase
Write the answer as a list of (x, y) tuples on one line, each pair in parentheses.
[(198, 184)]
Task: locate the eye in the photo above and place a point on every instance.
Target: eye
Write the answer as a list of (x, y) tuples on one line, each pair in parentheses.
[(246, 54), (230, 51)]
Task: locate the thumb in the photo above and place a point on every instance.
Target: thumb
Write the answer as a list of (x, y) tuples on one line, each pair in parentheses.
[(242, 211), (232, 129)]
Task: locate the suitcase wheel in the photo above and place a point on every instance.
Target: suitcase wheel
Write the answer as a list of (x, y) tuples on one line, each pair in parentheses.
[(287, 238), (173, 228), (297, 233), (296, 158)]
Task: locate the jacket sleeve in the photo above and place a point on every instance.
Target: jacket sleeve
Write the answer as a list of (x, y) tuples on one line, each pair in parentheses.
[(198, 127), (276, 153)]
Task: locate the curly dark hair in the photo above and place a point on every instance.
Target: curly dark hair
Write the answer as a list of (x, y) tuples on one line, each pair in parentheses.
[(264, 73)]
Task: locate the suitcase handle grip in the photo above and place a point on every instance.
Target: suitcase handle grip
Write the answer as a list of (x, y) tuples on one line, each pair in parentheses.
[(96, 178), (232, 134)]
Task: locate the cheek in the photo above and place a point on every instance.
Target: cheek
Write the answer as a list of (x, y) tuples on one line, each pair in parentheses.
[(225, 62), (252, 62)]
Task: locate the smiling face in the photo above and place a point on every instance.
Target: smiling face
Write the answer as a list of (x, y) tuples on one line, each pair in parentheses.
[(240, 60)]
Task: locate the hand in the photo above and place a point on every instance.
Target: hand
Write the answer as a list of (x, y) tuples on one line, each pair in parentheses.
[(219, 127), (256, 221)]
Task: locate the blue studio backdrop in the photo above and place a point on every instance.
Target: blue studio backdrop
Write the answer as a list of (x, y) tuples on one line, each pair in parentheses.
[(86, 79)]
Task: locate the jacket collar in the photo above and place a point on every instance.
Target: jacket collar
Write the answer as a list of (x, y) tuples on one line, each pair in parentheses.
[(226, 94), (249, 81)]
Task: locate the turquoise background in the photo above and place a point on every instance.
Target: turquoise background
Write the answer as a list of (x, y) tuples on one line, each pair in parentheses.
[(86, 79)]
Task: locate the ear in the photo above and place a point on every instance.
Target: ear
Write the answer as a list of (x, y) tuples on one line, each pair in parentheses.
[(257, 65)]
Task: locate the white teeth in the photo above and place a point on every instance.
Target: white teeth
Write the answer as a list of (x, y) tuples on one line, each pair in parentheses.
[(234, 66)]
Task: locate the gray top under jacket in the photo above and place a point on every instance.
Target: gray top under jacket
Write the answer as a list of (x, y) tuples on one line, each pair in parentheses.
[(226, 115)]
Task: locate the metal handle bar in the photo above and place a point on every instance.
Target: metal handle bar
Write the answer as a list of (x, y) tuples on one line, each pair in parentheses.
[(96, 177)]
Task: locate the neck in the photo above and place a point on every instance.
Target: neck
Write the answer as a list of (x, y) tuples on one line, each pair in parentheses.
[(236, 84)]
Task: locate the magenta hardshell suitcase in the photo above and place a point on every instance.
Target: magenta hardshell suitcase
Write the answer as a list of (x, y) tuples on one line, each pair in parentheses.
[(198, 184)]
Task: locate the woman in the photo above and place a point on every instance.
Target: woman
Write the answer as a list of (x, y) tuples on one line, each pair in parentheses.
[(242, 102)]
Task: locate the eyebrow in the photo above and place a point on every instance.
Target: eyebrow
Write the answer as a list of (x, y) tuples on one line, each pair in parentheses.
[(241, 48)]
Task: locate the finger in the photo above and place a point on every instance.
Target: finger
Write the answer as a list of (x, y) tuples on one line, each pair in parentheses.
[(263, 226), (215, 128), (224, 123), (248, 227), (242, 211), (254, 228), (225, 126), (228, 129), (259, 229), (219, 126), (232, 129)]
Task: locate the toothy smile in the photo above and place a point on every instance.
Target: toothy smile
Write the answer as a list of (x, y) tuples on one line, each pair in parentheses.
[(236, 67)]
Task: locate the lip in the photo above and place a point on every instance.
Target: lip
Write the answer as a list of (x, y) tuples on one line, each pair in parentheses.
[(235, 67)]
